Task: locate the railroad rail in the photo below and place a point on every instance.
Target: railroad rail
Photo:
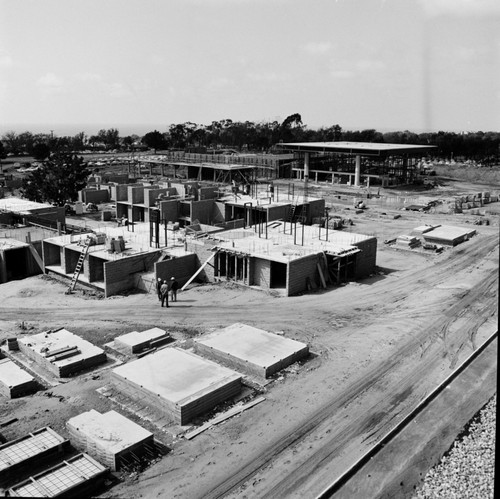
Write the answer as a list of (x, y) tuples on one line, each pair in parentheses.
[(334, 487)]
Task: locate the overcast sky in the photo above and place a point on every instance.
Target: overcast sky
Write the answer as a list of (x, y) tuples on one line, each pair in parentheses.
[(385, 64)]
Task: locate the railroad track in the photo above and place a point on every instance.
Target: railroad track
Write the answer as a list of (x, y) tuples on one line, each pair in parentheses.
[(332, 489)]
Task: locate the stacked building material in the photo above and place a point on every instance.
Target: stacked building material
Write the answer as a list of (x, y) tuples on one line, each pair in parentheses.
[(61, 352), (29, 451), (251, 350), (14, 381), (177, 382), (75, 477), (110, 437), (409, 242), (135, 342)]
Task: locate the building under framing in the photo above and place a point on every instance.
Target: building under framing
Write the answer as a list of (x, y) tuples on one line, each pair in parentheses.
[(357, 163)]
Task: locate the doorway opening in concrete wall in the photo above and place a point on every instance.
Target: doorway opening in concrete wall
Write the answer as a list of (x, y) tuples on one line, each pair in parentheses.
[(278, 275)]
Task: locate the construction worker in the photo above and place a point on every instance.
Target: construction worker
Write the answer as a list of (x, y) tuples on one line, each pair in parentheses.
[(174, 286), (164, 293), (159, 282)]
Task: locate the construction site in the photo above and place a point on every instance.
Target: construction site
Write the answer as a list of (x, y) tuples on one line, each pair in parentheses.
[(314, 313)]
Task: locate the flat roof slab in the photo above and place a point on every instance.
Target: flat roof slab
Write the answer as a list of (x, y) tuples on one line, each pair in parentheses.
[(448, 234), (20, 205), (253, 349), (361, 148), (13, 379), (40, 346), (176, 375)]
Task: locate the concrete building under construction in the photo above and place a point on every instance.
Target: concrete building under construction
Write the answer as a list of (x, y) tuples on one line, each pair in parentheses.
[(288, 256)]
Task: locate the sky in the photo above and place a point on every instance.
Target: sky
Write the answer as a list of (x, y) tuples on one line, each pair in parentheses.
[(140, 65)]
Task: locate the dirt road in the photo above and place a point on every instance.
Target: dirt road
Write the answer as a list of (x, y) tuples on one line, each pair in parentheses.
[(380, 345)]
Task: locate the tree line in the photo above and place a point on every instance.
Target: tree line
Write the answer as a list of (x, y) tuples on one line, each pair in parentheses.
[(252, 137)]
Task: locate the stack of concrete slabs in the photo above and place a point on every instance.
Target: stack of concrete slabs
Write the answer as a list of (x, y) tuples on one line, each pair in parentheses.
[(14, 381), (61, 352), (449, 235), (135, 342), (108, 437), (251, 350), (177, 382), (27, 452), (78, 476)]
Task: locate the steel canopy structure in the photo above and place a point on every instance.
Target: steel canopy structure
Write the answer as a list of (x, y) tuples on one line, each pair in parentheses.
[(358, 150)]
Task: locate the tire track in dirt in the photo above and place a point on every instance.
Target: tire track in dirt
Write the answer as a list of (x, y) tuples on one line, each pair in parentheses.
[(356, 390)]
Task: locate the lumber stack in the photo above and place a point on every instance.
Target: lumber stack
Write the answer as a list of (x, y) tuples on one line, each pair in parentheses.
[(408, 242)]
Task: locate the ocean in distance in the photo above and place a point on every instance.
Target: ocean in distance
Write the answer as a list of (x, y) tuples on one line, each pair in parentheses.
[(71, 129)]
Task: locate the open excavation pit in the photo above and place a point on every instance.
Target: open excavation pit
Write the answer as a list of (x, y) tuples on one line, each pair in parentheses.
[(110, 437), (251, 350), (177, 382), (61, 352)]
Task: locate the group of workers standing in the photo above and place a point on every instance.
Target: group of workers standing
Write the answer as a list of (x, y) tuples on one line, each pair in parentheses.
[(164, 288)]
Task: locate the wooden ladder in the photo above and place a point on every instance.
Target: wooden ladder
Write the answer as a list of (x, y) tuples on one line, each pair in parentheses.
[(291, 213), (79, 265)]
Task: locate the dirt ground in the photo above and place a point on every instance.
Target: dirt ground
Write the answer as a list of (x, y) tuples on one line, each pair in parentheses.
[(380, 345)]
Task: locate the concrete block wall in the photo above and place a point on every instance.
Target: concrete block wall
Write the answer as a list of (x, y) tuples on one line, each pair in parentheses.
[(151, 194), (260, 272), (298, 271), (136, 194), (94, 196), (219, 212), (277, 212), (51, 253), (182, 268), (366, 261), (71, 257), (202, 211), (54, 213), (207, 192), (119, 274), (203, 252), (316, 209), (179, 188), (119, 178), (94, 269), (170, 210), (120, 192)]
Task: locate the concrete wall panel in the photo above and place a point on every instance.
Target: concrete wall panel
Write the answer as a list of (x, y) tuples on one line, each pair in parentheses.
[(119, 275), (299, 271), (182, 268)]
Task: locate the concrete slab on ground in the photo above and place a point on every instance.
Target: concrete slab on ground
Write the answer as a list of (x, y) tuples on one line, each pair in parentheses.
[(14, 380), (251, 349)]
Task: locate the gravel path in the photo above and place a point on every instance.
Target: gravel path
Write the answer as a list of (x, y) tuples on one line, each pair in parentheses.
[(467, 470)]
